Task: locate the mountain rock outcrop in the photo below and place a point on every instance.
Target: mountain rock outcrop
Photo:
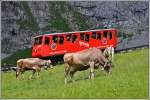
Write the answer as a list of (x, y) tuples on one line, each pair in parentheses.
[(20, 19)]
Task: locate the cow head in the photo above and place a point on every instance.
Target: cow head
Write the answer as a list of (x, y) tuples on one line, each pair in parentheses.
[(108, 66), (47, 64), (68, 59)]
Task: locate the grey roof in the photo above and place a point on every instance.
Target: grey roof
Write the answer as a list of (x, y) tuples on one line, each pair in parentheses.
[(48, 33)]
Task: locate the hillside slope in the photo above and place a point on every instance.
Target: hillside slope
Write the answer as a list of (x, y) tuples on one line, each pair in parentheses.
[(129, 79)]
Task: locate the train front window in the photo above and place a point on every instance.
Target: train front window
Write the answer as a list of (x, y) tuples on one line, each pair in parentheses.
[(74, 38), (82, 36), (105, 34), (38, 40), (61, 41), (47, 40), (68, 37), (99, 36), (55, 39), (87, 37), (94, 35), (110, 35)]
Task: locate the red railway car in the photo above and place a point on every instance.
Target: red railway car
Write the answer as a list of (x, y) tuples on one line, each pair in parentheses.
[(53, 44)]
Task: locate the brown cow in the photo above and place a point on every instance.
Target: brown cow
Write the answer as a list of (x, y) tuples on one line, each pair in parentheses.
[(91, 58), (34, 64)]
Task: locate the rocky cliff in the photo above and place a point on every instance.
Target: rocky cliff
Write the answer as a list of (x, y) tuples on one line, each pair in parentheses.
[(21, 19), (129, 16)]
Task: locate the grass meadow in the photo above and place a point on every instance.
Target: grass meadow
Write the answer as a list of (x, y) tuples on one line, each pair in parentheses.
[(129, 79)]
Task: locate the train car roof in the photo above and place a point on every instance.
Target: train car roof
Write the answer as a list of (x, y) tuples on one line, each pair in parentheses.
[(48, 33)]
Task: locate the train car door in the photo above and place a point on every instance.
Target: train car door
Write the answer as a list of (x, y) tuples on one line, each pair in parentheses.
[(84, 41), (71, 43), (61, 49), (37, 50), (75, 43), (105, 38), (110, 38), (99, 38), (57, 46), (87, 40), (68, 42), (46, 46), (94, 42)]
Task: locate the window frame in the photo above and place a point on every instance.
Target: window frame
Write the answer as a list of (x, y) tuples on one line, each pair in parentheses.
[(36, 41), (93, 36), (110, 35), (40, 40), (105, 34), (53, 38), (70, 35), (48, 41), (99, 36), (87, 40), (76, 39), (82, 36), (61, 40)]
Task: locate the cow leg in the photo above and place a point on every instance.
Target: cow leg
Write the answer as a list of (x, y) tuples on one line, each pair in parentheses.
[(91, 70), (71, 73), (38, 71), (112, 54), (17, 73), (32, 75), (90, 74), (22, 74), (67, 70), (108, 70)]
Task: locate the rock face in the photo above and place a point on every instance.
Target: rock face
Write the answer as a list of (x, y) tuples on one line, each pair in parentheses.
[(130, 16), (19, 20), (41, 11), (14, 36)]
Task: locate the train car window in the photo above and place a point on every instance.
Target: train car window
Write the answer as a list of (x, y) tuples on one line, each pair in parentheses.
[(105, 34), (110, 35), (40, 40), (47, 40), (82, 36), (94, 35), (61, 41), (36, 41), (69, 37), (87, 37), (99, 36), (74, 39), (55, 39)]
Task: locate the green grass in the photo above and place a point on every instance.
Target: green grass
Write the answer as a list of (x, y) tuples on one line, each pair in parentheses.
[(26, 53), (129, 79)]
